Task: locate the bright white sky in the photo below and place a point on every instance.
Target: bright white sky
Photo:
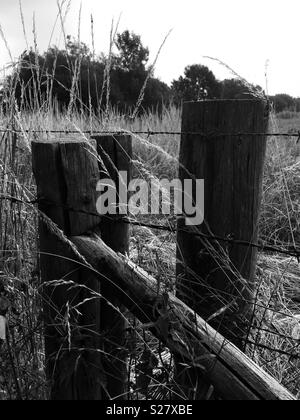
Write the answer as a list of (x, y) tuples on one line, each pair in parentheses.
[(247, 35)]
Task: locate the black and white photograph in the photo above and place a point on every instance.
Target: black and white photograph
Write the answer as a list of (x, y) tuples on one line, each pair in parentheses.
[(149, 203)]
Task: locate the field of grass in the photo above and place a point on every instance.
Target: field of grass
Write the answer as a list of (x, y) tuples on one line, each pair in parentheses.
[(275, 332), (277, 327)]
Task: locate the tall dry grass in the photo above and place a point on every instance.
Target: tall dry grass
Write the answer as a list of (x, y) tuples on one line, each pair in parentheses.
[(276, 325)]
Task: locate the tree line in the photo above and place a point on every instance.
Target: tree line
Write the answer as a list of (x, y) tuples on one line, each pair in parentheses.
[(76, 76)]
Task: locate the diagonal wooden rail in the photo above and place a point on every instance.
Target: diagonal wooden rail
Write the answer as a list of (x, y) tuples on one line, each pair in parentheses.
[(233, 375)]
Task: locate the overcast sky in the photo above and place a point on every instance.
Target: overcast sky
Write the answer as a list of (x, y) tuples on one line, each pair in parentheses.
[(249, 36)]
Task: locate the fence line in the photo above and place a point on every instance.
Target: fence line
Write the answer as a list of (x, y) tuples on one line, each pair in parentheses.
[(149, 133), (171, 228), (293, 251)]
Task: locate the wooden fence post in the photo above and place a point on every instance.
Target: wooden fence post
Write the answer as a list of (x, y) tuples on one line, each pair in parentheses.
[(66, 175), (115, 155), (233, 375), (214, 278)]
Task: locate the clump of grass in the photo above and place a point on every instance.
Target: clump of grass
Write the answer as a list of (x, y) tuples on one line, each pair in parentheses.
[(280, 207), (278, 320)]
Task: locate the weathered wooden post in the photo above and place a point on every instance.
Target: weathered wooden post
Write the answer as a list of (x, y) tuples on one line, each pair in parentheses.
[(115, 157), (84, 339), (215, 278), (67, 174)]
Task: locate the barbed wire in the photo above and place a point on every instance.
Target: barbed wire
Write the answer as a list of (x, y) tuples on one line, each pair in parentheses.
[(291, 354), (290, 251), (293, 134), (275, 332)]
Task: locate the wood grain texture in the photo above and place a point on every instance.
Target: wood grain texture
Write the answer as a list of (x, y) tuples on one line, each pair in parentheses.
[(115, 154), (233, 375), (66, 174), (211, 275)]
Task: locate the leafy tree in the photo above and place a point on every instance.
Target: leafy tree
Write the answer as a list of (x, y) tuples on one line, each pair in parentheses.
[(284, 102), (157, 94), (73, 75), (77, 49), (42, 78), (130, 72), (133, 56), (197, 83), (233, 89), (236, 89)]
